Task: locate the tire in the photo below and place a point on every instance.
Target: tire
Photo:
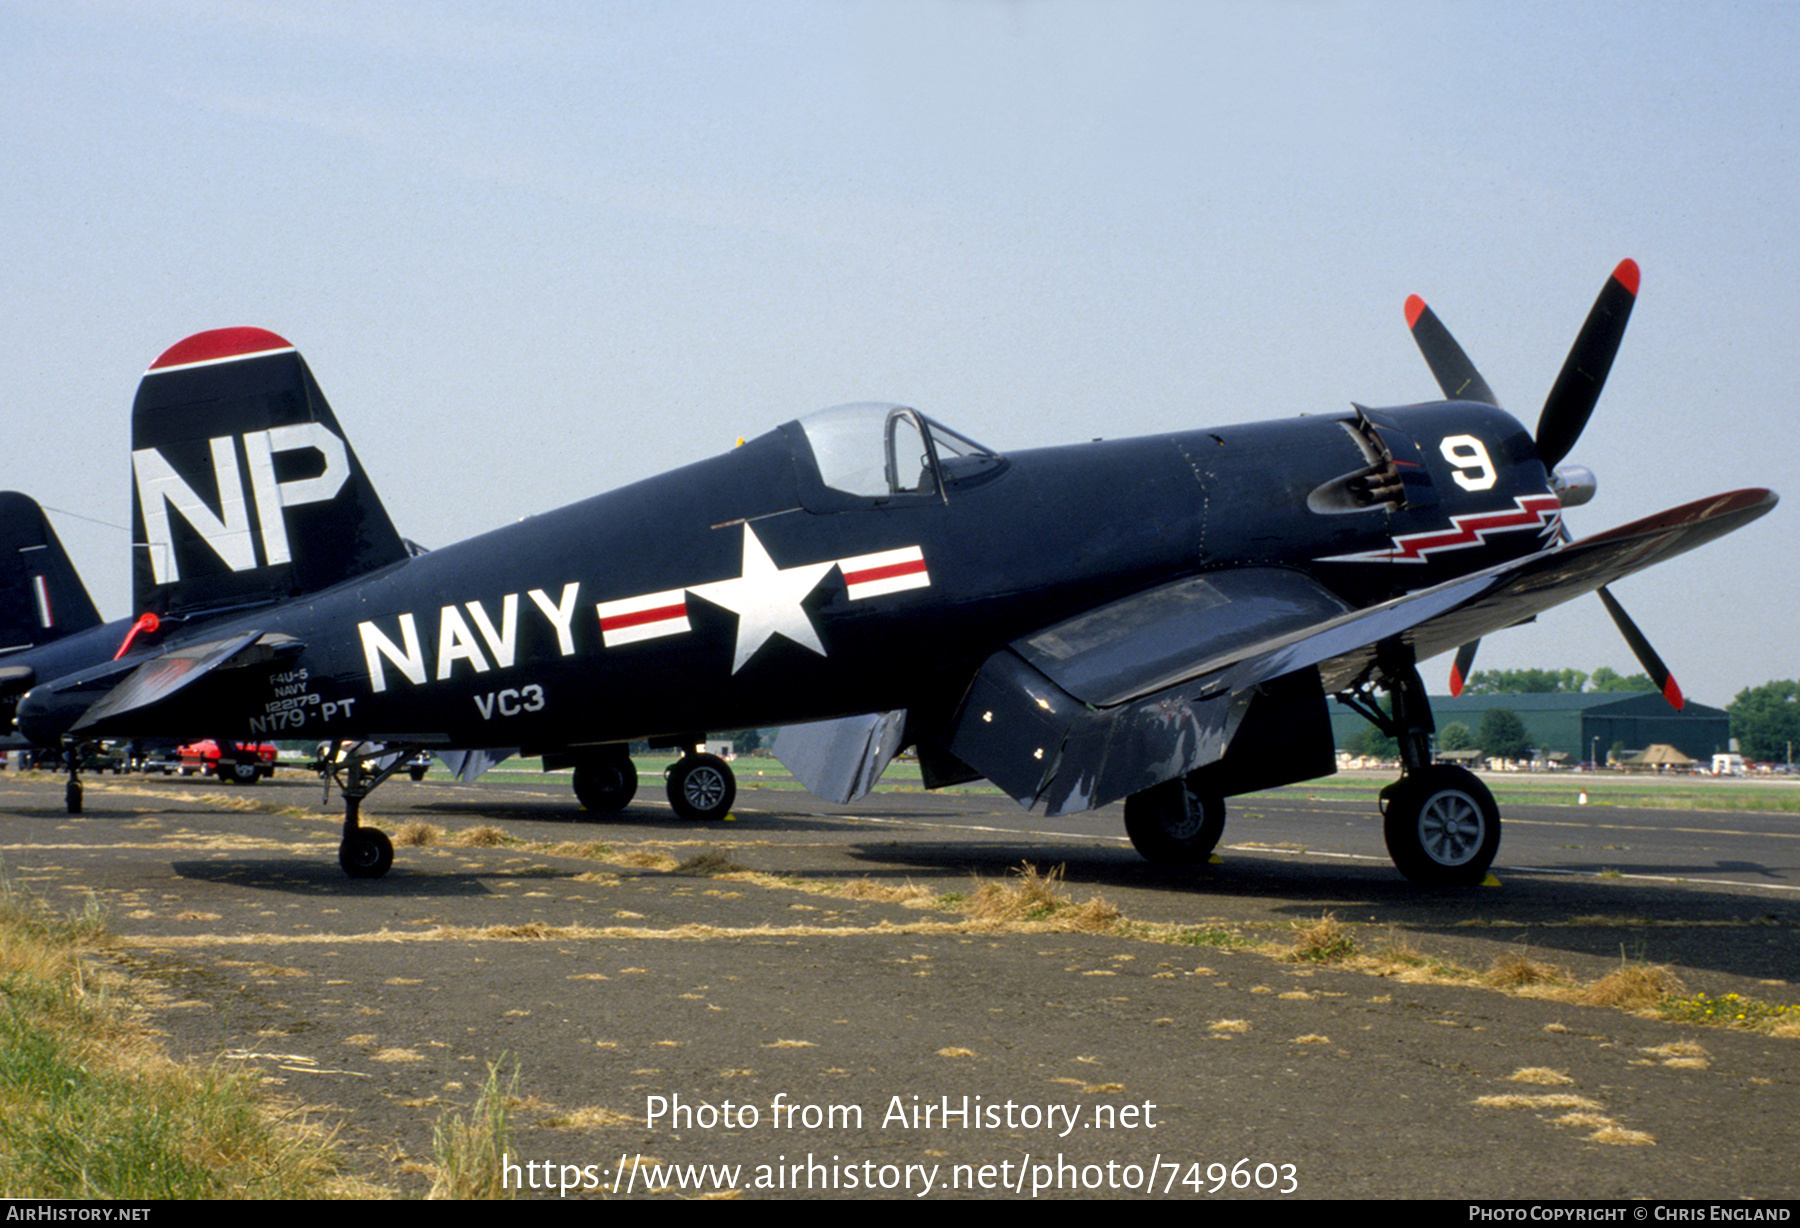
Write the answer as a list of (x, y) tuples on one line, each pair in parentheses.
[(1171, 825), (417, 773), (72, 797), (606, 784), (701, 788), (241, 771), (366, 854), (1442, 827)]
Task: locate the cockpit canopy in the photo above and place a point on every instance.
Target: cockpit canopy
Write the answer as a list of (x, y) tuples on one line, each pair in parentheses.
[(887, 452)]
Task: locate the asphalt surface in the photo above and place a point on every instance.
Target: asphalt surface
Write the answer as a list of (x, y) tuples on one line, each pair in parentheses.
[(657, 1017)]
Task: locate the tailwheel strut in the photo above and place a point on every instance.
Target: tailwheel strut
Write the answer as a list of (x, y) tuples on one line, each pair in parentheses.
[(365, 852)]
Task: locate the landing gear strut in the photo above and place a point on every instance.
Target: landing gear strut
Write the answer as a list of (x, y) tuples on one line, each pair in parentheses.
[(1441, 824)]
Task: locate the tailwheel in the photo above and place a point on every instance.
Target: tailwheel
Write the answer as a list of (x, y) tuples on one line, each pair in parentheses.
[(606, 783), (1442, 826), (1172, 825), (366, 853), (72, 790), (701, 787)]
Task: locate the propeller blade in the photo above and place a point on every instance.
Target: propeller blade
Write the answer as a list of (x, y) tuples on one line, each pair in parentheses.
[(1640, 648), (1459, 668), (1455, 374), (1577, 388)]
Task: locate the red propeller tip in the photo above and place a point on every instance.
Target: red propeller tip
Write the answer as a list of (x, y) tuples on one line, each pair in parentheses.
[(1672, 693), (1415, 307), (1627, 275)]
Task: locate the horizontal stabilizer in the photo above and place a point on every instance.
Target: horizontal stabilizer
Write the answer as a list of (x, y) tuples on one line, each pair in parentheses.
[(185, 690)]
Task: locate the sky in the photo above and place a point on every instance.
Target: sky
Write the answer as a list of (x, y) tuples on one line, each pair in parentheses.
[(533, 251)]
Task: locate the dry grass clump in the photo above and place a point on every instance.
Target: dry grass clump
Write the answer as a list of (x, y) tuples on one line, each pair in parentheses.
[(909, 893), (1516, 971), (414, 834), (707, 864), (1633, 987), (1321, 942), (1541, 1075), (486, 836), (1039, 897)]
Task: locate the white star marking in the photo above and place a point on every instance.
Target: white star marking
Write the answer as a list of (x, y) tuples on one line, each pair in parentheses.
[(766, 599)]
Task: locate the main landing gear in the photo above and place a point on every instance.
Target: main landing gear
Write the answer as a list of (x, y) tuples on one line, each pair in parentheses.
[(1173, 824), (1441, 824), (606, 779), (701, 787)]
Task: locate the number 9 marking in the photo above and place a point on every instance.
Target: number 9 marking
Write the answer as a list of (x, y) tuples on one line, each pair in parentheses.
[(1468, 456)]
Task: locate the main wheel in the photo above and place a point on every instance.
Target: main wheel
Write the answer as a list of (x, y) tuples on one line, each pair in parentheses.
[(367, 853), (701, 788), (606, 784), (1172, 825), (1442, 827)]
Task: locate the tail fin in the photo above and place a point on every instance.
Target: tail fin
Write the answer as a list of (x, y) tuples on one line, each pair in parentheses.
[(41, 596), (245, 490)]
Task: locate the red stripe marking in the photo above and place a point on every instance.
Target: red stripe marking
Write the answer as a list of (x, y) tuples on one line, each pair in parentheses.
[(618, 622), (1415, 307), (870, 575), (220, 343)]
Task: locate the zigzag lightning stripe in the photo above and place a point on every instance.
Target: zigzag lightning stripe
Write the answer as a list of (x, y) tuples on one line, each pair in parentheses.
[(1538, 512)]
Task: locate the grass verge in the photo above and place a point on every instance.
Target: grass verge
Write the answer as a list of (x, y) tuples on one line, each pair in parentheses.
[(90, 1108)]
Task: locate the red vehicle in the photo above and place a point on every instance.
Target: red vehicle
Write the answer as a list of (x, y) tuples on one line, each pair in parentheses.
[(244, 763)]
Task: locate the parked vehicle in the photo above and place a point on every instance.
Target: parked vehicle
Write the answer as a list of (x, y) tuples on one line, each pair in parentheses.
[(241, 763)]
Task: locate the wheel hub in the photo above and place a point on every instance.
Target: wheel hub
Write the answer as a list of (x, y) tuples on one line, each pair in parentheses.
[(1450, 828), (704, 788)]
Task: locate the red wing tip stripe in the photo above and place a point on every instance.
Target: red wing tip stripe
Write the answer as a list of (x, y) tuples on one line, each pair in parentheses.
[(220, 345), (1415, 307), (1627, 275)]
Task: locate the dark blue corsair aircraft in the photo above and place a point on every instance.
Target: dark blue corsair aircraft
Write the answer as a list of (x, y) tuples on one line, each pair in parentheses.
[(1161, 620)]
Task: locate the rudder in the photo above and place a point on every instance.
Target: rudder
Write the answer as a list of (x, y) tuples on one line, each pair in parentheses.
[(245, 489), (42, 598)]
